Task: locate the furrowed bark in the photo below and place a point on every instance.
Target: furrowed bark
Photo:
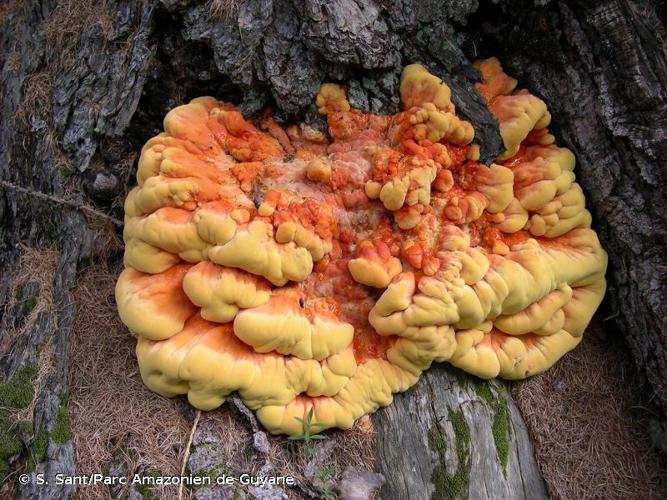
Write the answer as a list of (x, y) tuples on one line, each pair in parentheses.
[(600, 67)]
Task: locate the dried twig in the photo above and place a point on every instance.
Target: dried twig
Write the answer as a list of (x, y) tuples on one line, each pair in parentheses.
[(60, 201), (186, 455)]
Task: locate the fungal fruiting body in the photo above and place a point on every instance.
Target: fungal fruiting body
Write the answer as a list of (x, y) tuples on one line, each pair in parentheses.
[(327, 272)]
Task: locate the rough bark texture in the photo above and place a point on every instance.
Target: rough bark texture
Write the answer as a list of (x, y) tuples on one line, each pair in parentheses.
[(454, 437), (84, 85), (601, 68)]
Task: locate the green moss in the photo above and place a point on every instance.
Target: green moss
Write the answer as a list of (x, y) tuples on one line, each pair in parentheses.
[(17, 392), (10, 444), (61, 432), (38, 448), (30, 303), (24, 428), (483, 390), (501, 419), (501, 430), (146, 490), (65, 172), (448, 486), (50, 231), (84, 263), (211, 473)]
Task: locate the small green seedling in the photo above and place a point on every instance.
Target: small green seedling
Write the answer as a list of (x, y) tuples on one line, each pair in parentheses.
[(325, 475), (308, 428), (328, 492)]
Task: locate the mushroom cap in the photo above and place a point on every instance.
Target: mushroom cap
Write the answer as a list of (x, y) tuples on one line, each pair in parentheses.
[(326, 273)]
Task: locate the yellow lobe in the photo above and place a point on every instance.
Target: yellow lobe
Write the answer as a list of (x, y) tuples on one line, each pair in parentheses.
[(221, 292), (283, 326)]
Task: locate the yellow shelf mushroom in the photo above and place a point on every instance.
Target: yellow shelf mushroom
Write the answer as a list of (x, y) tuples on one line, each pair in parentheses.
[(326, 274)]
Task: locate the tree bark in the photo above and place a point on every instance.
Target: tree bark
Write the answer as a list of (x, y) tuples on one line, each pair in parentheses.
[(601, 68), (84, 85), (454, 437)]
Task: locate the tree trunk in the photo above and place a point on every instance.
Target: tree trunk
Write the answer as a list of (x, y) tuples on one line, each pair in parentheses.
[(85, 84), (454, 437), (601, 68)]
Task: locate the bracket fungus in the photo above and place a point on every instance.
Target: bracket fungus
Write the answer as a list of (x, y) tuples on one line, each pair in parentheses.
[(306, 271)]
